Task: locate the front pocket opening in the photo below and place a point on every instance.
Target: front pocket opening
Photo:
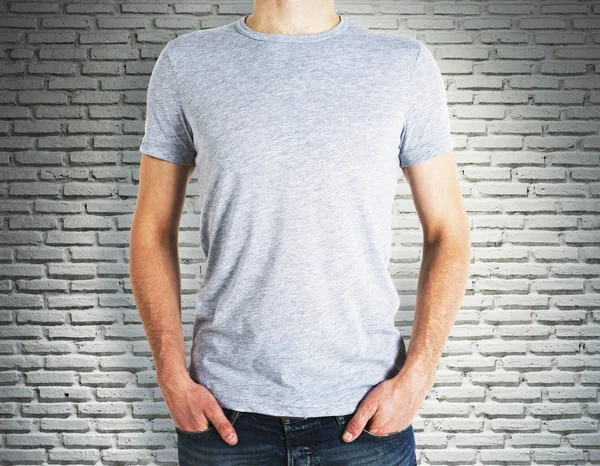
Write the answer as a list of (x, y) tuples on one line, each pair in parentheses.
[(391, 434), (230, 414)]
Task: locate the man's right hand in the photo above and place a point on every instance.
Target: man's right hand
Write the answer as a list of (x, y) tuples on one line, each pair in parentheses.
[(194, 408)]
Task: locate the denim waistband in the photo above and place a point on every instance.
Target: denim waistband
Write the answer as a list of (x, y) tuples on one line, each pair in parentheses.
[(287, 419), (269, 416)]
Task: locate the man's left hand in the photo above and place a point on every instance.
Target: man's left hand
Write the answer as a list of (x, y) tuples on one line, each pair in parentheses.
[(390, 406)]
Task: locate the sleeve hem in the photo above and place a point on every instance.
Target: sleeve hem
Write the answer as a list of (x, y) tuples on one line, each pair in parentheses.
[(431, 151), (168, 155)]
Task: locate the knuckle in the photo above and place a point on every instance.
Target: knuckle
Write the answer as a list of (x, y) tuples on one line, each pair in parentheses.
[(369, 407), (209, 412), (225, 428)]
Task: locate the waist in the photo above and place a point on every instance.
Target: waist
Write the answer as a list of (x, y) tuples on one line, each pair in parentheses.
[(294, 419)]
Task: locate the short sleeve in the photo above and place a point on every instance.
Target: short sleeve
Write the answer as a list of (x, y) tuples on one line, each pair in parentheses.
[(426, 128), (168, 135)]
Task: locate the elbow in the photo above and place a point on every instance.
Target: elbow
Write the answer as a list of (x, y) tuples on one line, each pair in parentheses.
[(455, 230), (149, 234)]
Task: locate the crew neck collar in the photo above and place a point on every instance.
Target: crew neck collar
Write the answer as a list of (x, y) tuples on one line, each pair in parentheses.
[(340, 27)]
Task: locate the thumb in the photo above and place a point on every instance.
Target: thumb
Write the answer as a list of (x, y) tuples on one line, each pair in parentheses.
[(224, 427), (357, 423)]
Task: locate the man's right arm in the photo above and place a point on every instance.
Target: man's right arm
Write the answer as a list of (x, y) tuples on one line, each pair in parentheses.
[(154, 263), (156, 285)]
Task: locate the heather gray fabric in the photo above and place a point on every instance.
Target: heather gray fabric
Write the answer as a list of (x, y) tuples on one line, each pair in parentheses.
[(297, 141)]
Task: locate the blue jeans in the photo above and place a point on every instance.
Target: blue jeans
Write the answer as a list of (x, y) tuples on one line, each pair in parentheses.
[(294, 441)]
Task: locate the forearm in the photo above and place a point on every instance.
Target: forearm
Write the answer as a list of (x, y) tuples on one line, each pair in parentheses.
[(156, 286), (441, 287)]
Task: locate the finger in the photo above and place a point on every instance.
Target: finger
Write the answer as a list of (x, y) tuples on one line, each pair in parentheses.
[(222, 424), (357, 423)]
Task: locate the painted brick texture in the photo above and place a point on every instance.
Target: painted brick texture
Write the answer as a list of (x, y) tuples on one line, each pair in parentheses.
[(518, 381)]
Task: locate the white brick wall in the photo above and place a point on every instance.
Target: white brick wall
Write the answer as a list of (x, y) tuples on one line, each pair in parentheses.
[(518, 383)]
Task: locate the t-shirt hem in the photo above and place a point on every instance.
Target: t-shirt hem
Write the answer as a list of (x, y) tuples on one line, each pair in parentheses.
[(325, 409)]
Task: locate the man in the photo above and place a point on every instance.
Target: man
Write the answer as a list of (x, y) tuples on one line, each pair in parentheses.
[(297, 120)]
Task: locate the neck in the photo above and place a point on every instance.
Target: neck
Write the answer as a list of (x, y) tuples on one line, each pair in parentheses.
[(292, 16)]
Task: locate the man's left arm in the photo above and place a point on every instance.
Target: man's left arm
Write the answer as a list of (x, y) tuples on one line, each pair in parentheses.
[(391, 405)]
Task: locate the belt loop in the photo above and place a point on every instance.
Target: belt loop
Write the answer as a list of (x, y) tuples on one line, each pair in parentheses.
[(341, 420)]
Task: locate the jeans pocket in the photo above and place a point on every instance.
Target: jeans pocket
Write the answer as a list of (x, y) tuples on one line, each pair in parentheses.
[(230, 414), (389, 435)]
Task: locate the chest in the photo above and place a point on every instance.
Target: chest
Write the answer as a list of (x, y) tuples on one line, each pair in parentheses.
[(296, 113)]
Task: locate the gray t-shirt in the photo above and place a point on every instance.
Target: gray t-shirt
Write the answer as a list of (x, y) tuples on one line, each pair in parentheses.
[(297, 140)]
